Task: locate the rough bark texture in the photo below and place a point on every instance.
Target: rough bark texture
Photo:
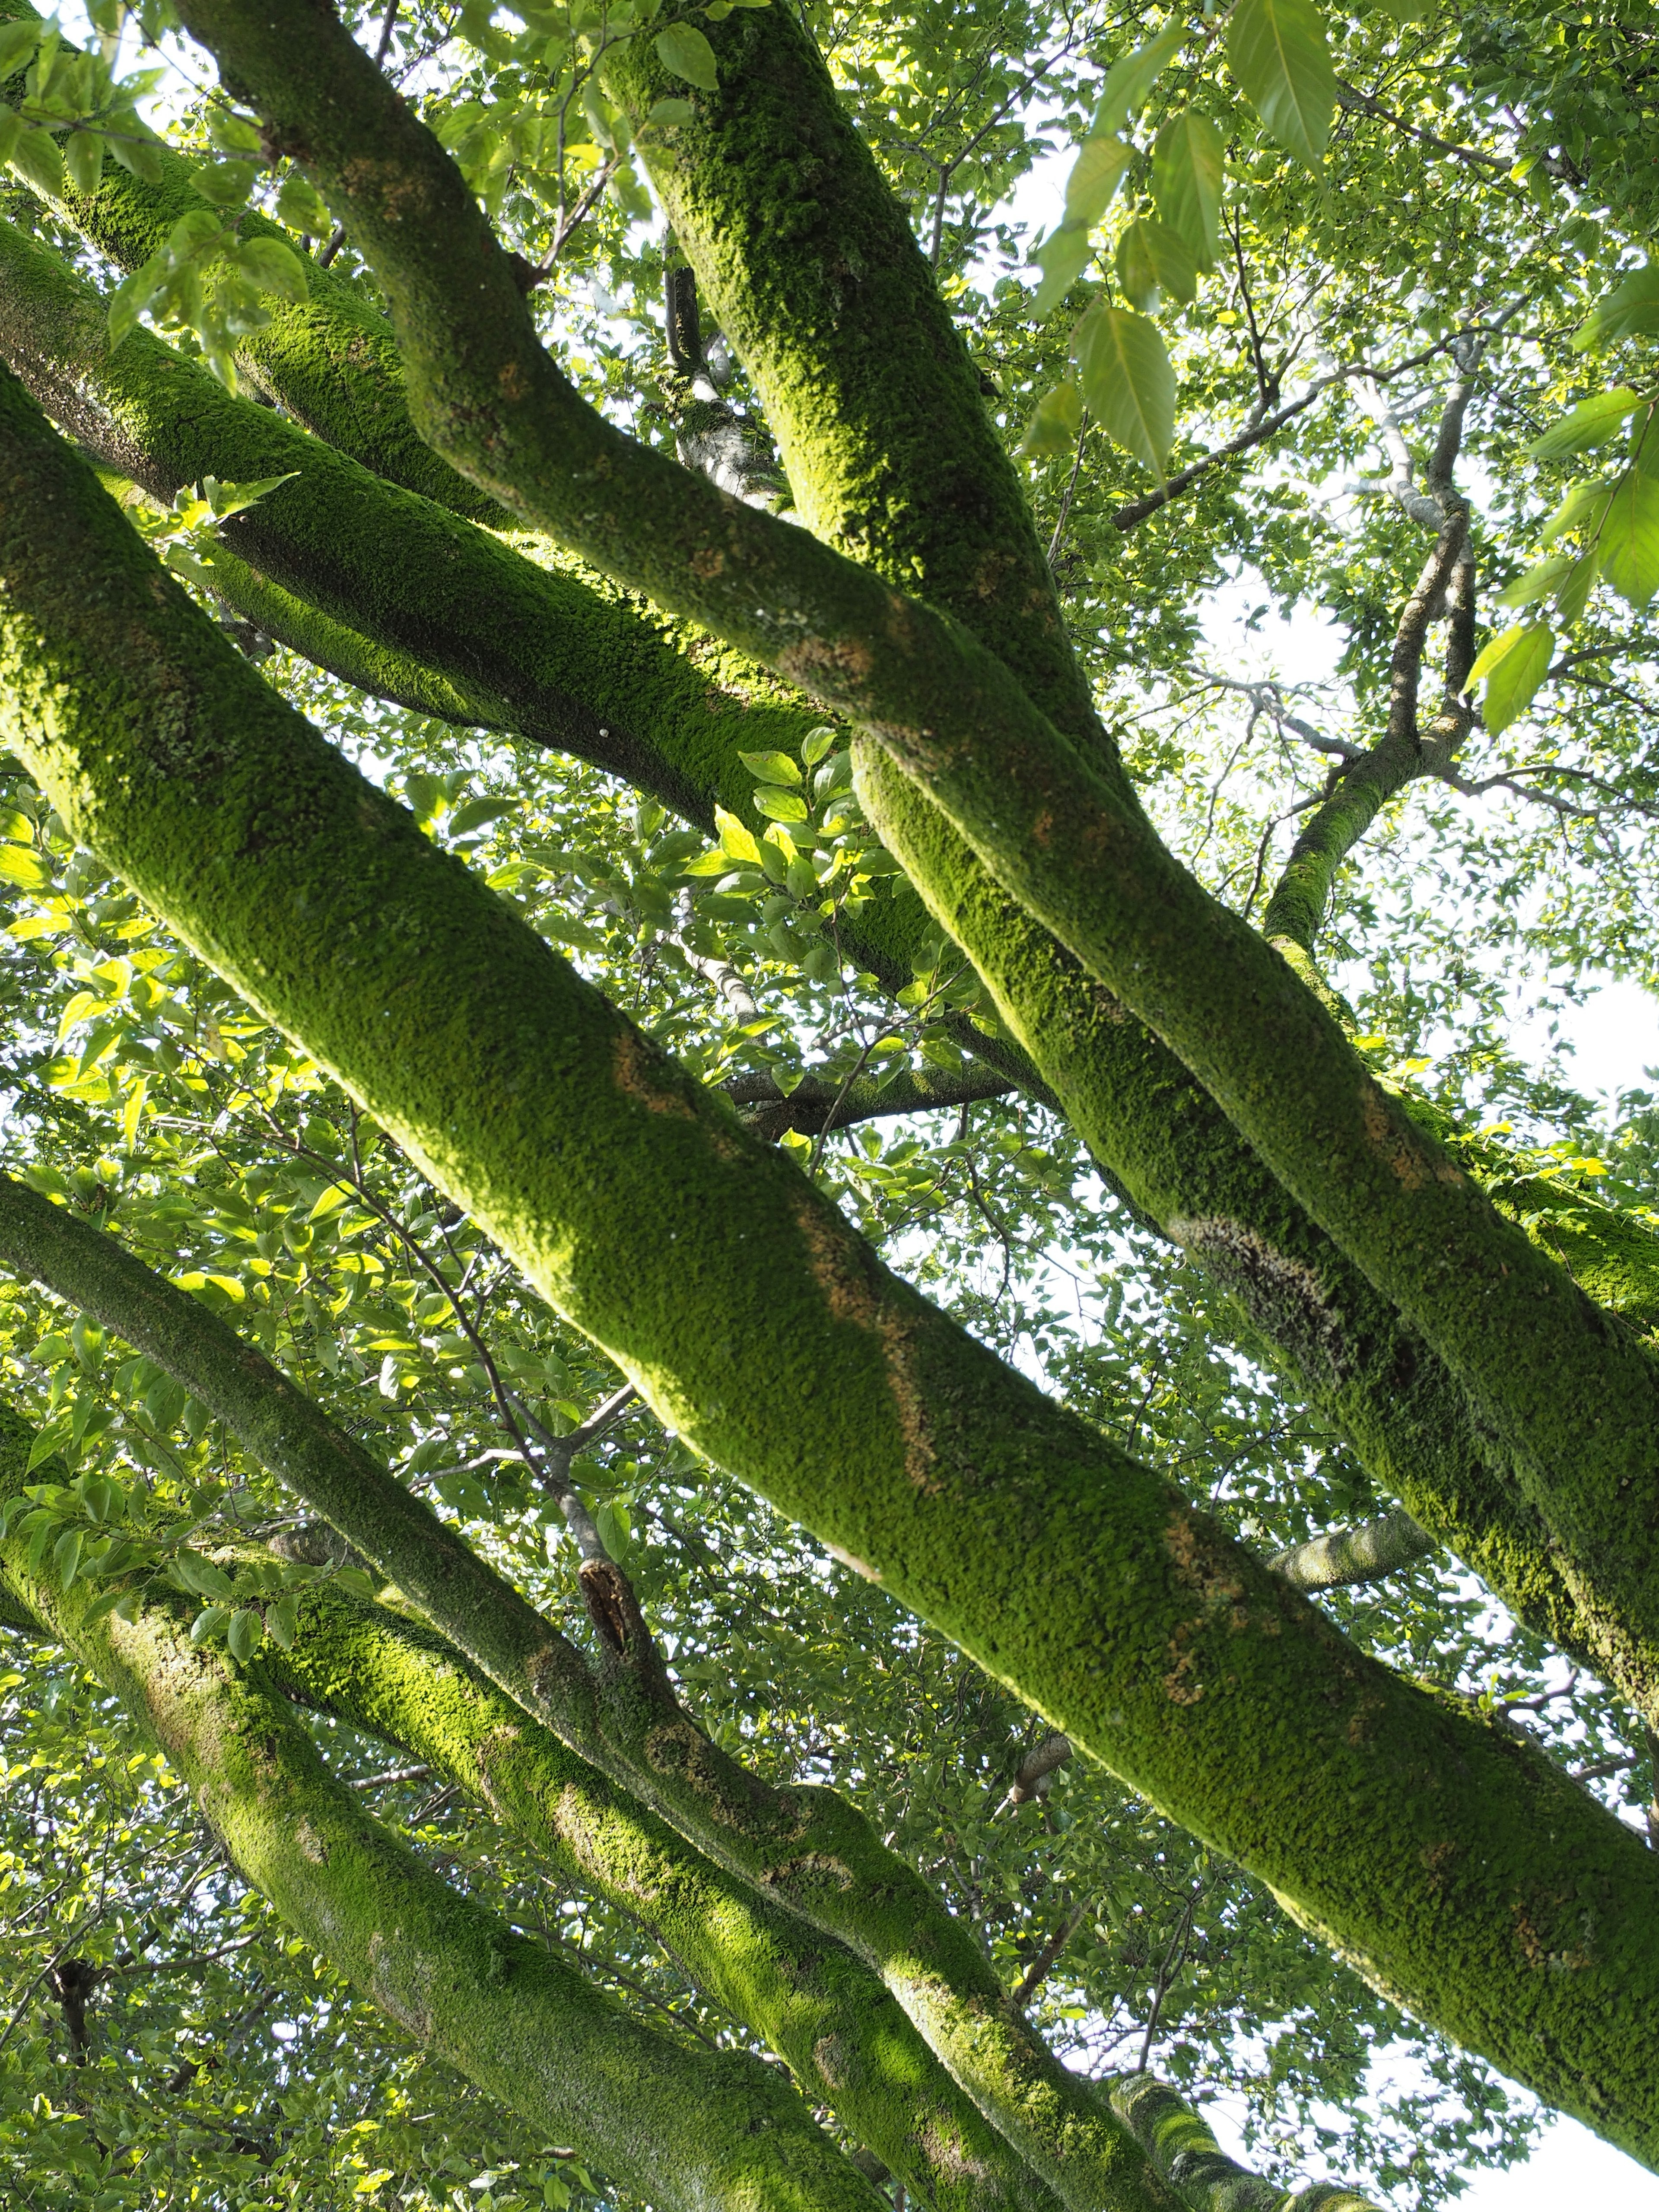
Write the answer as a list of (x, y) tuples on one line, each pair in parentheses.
[(683, 2127), (1575, 1395), (1464, 1871), (1156, 1134)]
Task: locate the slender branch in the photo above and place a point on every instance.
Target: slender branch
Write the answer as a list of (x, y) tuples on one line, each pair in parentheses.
[(1043, 1964)]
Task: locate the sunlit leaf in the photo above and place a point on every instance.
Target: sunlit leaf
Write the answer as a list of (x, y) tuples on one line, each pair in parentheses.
[(1130, 80), (1512, 667), (1055, 423), (1128, 383), (1594, 421), (1186, 175), (1278, 52), (1151, 260)]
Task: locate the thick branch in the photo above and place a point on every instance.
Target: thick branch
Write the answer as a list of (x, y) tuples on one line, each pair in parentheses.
[(1125, 1093), (777, 1344), (1065, 838), (686, 2128), (814, 1107), (775, 1841)]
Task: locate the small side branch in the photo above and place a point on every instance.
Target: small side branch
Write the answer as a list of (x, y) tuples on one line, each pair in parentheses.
[(1365, 1553)]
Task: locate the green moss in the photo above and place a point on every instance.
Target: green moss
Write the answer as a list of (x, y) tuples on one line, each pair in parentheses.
[(1471, 1877), (809, 264), (686, 2128), (818, 2007)]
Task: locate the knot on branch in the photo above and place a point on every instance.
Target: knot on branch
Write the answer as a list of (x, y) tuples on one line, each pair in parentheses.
[(613, 1608)]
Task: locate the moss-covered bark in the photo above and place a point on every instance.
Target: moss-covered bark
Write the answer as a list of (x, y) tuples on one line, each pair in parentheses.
[(825, 2012), (1467, 1874), (685, 2127), (818, 2007), (1574, 1395), (1155, 1131), (812, 266)]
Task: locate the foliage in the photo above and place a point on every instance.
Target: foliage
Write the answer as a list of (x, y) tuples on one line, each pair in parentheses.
[(1287, 235)]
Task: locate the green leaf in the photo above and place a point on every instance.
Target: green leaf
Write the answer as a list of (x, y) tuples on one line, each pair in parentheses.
[(737, 841), (771, 768), (283, 1623), (233, 134), (478, 814), (1512, 667), (130, 297), (1629, 540), (1538, 582), (245, 1633), (1574, 590), (779, 805), (1594, 421), (1130, 80), (66, 1554), (1278, 52), (302, 207), (17, 42), (20, 866), (12, 128), (226, 184), (83, 160), (202, 1576), (1128, 383), (208, 1623), (36, 159), (682, 50), (1055, 423), (664, 113), (1152, 259), (1062, 258), (1630, 310), (274, 267), (1579, 502), (1187, 170), (136, 150), (1096, 175), (1407, 11)]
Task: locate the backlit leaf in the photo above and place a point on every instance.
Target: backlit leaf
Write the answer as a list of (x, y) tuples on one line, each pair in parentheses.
[(1152, 260), (1594, 421), (1630, 310), (1512, 667), (1187, 168), (1055, 423), (1096, 175), (1062, 258), (1629, 540), (1278, 52), (1129, 80), (1128, 383)]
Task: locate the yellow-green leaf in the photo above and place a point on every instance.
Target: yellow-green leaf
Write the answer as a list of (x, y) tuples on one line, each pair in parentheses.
[(1096, 175), (1055, 423), (1512, 667), (1187, 170), (1128, 383), (682, 50), (1278, 52), (1130, 80), (1062, 258), (1151, 260), (20, 866), (1594, 421)]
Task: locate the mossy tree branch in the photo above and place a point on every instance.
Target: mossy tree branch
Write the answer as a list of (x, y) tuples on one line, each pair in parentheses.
[(1065, 839), (685, 2127), (625, 1720), (1156, 1132), (1457, 1865)]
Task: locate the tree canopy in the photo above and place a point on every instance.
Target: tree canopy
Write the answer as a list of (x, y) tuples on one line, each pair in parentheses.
[(819, 1388)]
